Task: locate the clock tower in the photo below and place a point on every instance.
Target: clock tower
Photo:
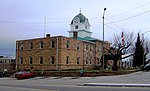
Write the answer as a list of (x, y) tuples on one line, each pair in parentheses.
[(81, 26)]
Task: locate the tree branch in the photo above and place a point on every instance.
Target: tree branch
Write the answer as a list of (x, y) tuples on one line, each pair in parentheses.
[(127, 56)]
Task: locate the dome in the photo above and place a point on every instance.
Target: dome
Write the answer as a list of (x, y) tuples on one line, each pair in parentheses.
[(81, 17)]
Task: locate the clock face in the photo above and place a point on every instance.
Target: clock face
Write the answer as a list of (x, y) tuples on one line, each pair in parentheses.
[(76, 20)]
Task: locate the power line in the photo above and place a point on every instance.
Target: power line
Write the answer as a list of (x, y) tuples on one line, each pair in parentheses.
[(112, 28), (20, 22), (130, 17), (51, 22), (129, 10), (115, 24)]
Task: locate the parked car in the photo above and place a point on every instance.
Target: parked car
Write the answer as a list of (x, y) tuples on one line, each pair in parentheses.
[(24, 74), (146, 67)]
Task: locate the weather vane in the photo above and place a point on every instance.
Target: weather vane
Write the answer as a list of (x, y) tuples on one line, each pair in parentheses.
[(80, 10)]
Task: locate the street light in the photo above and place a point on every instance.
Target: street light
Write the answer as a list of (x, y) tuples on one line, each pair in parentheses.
[(103, 35), (143, 44)]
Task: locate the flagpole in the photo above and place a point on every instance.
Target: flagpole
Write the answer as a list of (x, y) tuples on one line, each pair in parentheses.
[(44, 25), (122, 38)]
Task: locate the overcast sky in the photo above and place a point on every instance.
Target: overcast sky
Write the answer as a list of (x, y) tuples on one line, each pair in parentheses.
[(24, 19)]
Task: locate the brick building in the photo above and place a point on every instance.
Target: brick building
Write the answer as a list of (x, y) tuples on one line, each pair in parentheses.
[(7, 64), (78, 51)]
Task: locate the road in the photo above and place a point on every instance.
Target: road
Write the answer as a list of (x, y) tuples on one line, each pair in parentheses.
[(74, 84)]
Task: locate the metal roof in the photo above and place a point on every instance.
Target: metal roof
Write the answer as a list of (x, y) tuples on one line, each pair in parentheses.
[(81, 17)]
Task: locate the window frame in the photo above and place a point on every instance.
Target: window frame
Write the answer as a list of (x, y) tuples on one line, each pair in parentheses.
[(41, 60), (78, 60), (41, 45), (87, 61), (31, 45), (86, 27), (78, 46), (67, 44), (52, 60), (52, 44), (91, 48), (21, 60), (67, 60), (91, 60), (30, 60), (76, 27), (98, 61), (86, 47), (21, 46)]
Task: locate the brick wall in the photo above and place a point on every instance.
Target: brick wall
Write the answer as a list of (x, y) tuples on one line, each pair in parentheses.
[(86, 53)]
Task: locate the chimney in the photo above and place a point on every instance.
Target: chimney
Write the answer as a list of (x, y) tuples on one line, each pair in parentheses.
[(48, 35), (75, 34)]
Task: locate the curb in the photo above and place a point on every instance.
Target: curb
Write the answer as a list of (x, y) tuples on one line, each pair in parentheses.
[(115, 84)]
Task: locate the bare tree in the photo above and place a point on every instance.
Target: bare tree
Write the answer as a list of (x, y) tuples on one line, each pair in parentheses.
[(123, 44)]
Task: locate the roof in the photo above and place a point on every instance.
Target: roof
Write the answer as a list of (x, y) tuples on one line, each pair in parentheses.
[(81, 17), (88, 39)]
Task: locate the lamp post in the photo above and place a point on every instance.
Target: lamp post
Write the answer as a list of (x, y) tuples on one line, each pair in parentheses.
[(103, 37), (143, 44)]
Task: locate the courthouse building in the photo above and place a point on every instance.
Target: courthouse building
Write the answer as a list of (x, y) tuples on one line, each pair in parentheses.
[(78, 51)]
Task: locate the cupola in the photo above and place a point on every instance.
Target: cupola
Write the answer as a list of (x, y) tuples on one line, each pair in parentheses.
[(81, 25)]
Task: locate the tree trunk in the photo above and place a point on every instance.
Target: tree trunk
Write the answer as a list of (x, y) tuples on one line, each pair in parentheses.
[(115, 67)]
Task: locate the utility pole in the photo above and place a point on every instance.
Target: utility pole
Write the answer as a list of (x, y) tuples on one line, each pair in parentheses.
[(103, 38)]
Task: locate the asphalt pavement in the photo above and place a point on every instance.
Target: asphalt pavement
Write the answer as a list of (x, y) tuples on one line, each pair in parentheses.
[(136, 79)]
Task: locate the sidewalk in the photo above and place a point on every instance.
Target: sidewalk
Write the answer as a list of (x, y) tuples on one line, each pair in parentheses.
[(116, 85), (137, 79)]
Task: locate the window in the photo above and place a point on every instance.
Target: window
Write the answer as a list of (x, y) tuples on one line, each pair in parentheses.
[(85, 27), (41, 45), (67, 60), (78, 60), (31, 45), (91, 60), (41, 60), (68, 43), (30, 60), (21, 46), (98, 61), (53, 44), (21, 60), (97, 49), (52, 60), (86, 60), (78, 46), (76, 27), (86, 47), (91, 48)]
